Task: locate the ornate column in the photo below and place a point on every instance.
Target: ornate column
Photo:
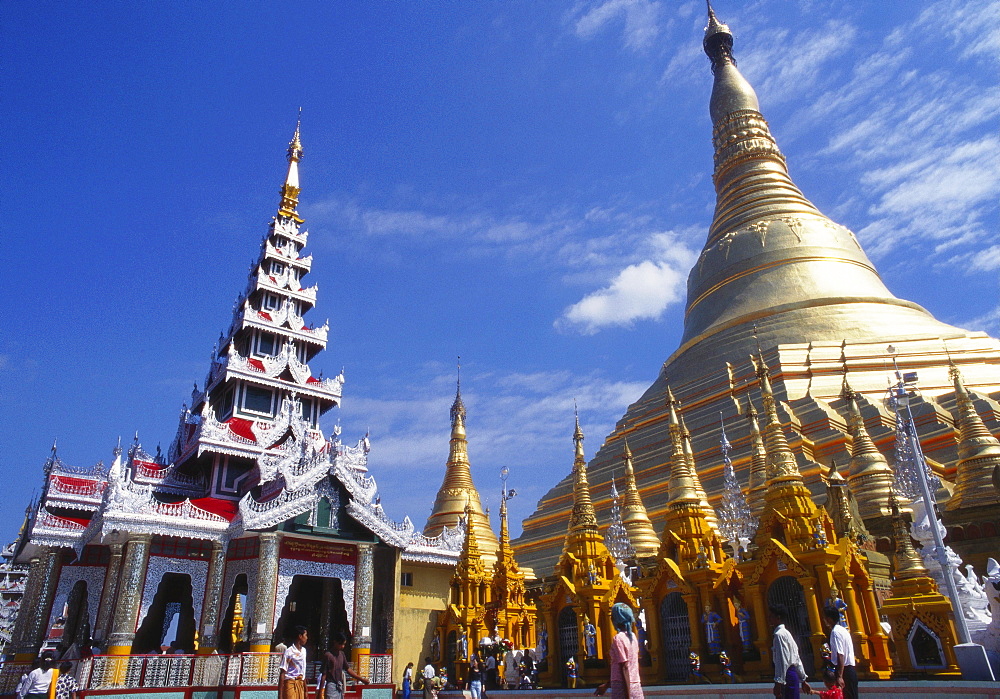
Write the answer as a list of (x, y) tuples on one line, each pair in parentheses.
[(209, 633), (262, 620), (108, 594), (816, 636), (758, 612), (41, 586), (654, 639), (325, 614), (363, 588), (133, 578)]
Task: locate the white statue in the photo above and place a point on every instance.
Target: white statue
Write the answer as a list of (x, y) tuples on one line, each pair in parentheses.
[(990, 636), (970, 592)]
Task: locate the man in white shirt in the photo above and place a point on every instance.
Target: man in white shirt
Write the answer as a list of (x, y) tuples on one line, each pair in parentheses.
[(841, 653), (292, 673), (429, 673), (789, 673)]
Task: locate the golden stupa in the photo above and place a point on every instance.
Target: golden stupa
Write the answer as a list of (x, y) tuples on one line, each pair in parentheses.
[(458, 493), (778, 279)]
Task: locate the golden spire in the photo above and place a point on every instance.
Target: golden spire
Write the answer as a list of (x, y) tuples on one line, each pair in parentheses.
[(758, 462), (680, 487), (706, 507), (471, 561), (978, 452), (583, 518), (290, 190), (771, 256), (842, 506), (780, 459), (907, 563), (458, 491), (641, 533), (869, 474), (239, 623)]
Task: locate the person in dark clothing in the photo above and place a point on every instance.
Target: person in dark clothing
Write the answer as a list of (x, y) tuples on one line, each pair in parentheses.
[(333, 678)]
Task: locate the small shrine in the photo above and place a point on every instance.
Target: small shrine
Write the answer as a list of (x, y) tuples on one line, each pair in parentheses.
[(576, 603)]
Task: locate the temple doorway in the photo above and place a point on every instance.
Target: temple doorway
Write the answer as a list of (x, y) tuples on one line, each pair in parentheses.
[(318, 604), (569, 636), (75, 620), (676, 636), (170, 621), (787, 591), (232, 633)]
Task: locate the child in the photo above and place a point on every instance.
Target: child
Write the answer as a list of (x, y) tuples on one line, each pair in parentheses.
[(832, 690)]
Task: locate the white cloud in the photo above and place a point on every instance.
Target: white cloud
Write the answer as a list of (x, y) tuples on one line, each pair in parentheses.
[(641, 17), (643, 290)]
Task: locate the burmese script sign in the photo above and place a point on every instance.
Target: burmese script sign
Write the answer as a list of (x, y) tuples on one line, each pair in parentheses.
[(318, 551)]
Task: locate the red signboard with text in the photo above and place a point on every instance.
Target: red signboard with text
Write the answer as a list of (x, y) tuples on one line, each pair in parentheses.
[(318, 551)]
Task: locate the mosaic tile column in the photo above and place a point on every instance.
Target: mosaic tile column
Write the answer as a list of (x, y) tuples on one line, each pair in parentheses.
[(209, 634), (363, 605), (41, 586), (262, 620), (133, 580), (108, 594)]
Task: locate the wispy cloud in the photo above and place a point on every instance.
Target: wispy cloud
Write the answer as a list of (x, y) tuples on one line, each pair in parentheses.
[(915, 138), (989, 322), (506, 412), (640, 20), (782, 63)]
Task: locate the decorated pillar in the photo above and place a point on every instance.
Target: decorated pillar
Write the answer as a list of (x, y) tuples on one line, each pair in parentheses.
[(41, 585), (209, 633), (363, 602), (762, 634), (108, 595), (267, 587), (126, 610), (812, 609), (325, 614), (654, 638)]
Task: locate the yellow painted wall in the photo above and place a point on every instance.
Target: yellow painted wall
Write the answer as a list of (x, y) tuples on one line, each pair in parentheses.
[(416, 614)]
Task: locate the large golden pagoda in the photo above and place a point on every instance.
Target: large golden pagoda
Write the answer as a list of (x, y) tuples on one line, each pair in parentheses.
[(778, 274)]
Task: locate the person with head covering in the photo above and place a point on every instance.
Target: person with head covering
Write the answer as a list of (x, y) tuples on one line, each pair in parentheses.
[(624, 656)]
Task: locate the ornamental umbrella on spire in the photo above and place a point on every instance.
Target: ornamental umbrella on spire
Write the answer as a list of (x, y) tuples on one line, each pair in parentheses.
[(736, 523), (616, 537)]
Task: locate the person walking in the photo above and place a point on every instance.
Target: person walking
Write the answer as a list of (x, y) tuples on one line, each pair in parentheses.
[(292, 673), (789, 673), (407, 681), (429, 673), (333, 679), (624, 654), (841, 653), (475, 677), (39, 680)]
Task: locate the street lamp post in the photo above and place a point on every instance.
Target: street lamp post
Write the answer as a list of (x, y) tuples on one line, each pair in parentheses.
[(901, 401), (971, 656)]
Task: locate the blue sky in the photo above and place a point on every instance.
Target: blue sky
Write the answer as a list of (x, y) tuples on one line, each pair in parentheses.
[(524, 184)]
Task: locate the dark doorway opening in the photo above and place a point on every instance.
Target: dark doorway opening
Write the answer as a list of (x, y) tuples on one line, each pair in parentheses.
[(676, 630), (172, 598)]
